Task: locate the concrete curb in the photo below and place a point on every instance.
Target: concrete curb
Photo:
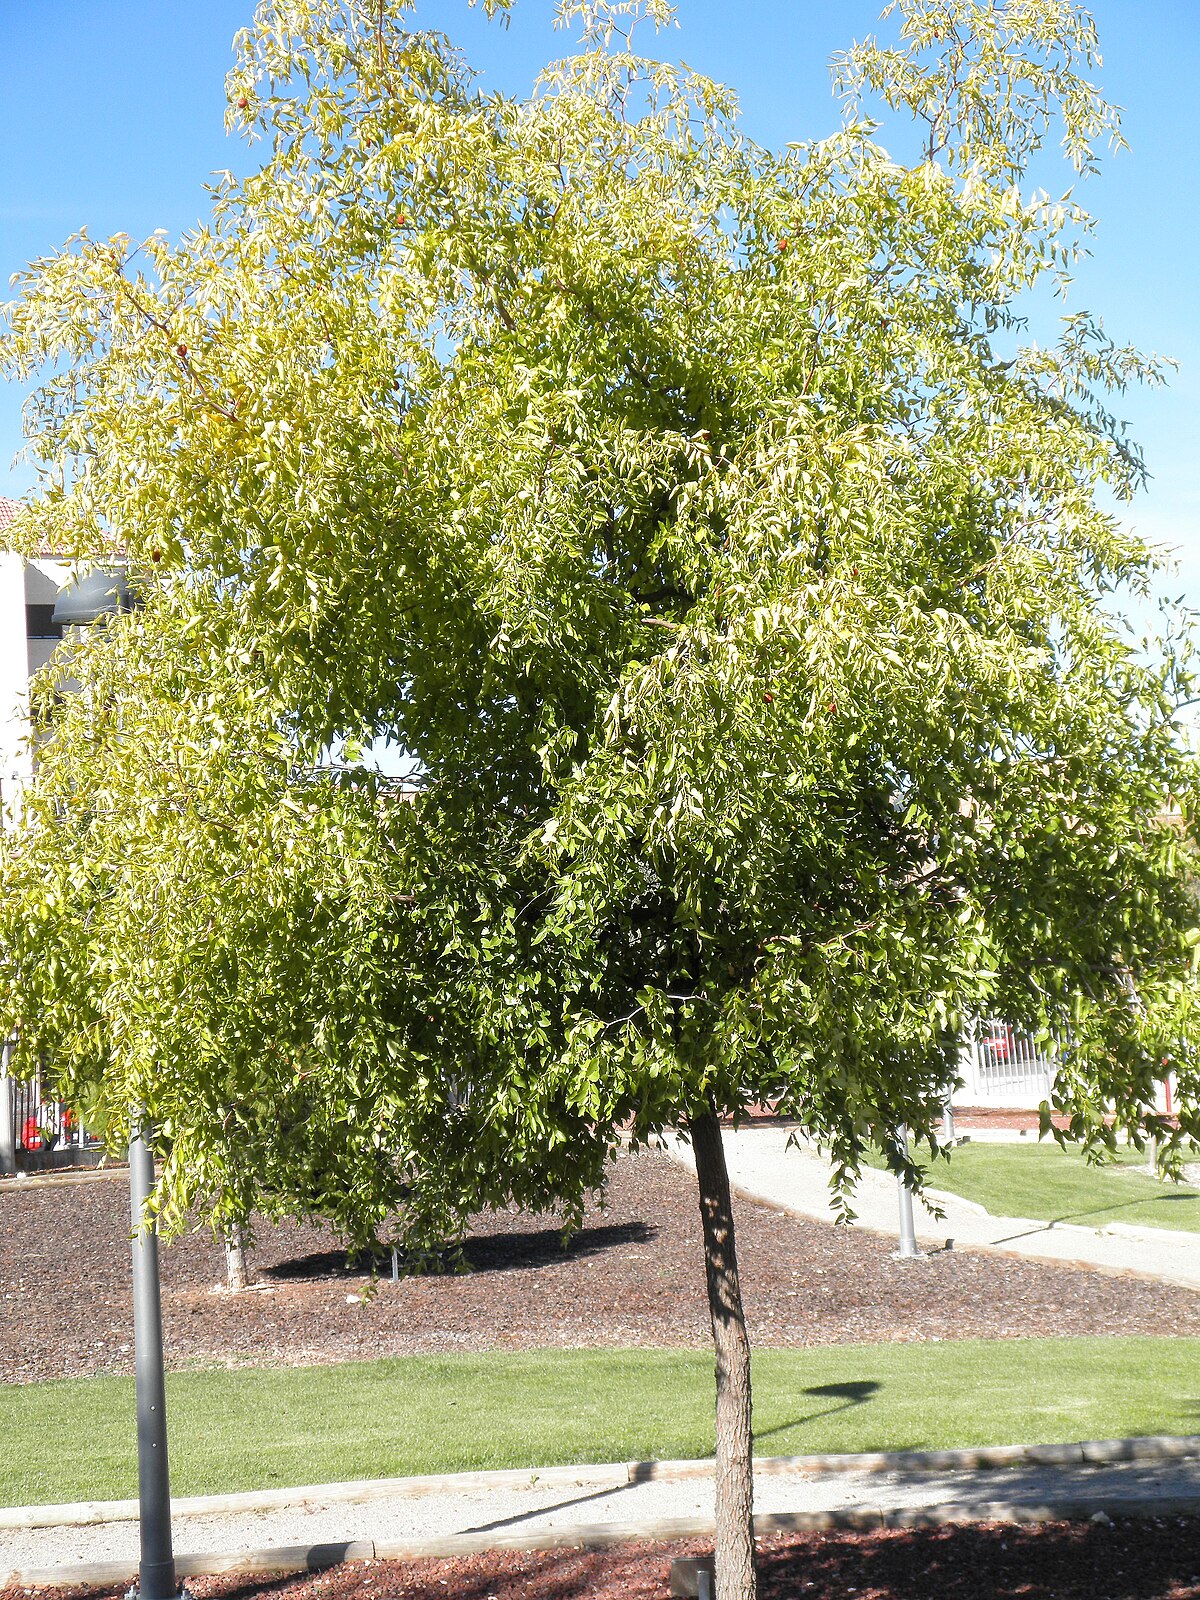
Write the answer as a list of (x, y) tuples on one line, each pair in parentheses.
[(65, 1177), (360, 1491), (1092, 1452), (314, 1558)]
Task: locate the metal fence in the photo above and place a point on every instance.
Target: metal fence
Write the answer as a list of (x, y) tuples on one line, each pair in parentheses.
[(1001, 1066), (41, 1124), (37, 1130)]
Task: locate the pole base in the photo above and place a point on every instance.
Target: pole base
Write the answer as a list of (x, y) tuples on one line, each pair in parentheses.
[(693, 1577)]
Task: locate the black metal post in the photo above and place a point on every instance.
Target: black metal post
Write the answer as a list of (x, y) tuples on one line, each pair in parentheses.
[(84, 601), (156, 1569)]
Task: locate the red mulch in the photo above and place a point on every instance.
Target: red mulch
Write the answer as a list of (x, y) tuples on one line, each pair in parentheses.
[(1008, 1117), (633, 1276), (1126, 1560)]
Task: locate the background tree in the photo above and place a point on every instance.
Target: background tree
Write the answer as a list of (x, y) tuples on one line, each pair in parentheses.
[(739, 583)]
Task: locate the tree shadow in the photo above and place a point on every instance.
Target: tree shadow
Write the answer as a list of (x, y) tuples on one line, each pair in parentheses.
[(1092, 1217), (319, 1264), (1135, 1560), (541, 1247), (570, 1574), (1121, 1205), (541, 1511), (488, 1252), (855, 1393)]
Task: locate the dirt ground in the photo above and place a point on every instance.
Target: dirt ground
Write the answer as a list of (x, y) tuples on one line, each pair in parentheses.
[(1126, 1560), (633, 1276)]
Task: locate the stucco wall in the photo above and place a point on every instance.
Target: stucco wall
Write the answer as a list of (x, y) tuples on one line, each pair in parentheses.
[(22, 583), (14, 669)]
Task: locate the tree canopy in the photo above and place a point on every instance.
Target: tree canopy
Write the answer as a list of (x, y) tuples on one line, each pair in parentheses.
[(694, 516), (699, 517)]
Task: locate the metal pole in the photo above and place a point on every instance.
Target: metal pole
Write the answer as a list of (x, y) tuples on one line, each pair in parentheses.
[(908, 1236), (8, 1132), (948, 1115), (156, 1569)]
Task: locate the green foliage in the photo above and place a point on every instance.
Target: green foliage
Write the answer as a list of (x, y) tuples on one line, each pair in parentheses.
[(693, 514), (237, 945)]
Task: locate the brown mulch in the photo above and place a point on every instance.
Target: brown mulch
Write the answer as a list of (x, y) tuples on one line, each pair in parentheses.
[(1126, 1560), (1007, 1117), (633, 1276)]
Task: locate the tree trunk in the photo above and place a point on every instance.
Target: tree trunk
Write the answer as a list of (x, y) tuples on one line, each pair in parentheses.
[(735, 1574), (236, 1274)]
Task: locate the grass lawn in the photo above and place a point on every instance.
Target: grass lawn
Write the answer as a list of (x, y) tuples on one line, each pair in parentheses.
[(256, 1427), (1047, 1184)]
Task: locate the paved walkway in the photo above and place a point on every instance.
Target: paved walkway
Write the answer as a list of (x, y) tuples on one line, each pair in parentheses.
[(594, 1505), (796, 1178)]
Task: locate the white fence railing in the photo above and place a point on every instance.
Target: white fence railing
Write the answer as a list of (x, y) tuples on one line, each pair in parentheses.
[(36, 1130), (1001, 1066)]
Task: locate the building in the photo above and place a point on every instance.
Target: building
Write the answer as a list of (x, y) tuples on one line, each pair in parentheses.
[(29, 588), (33, 1131)]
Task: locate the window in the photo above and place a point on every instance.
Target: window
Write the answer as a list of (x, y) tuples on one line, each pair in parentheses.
[(40, 623)]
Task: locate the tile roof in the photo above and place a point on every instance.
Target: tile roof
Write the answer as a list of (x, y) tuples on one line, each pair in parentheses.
[(8, 510)]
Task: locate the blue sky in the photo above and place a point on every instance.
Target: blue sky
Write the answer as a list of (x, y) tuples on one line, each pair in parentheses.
[(111, 117)]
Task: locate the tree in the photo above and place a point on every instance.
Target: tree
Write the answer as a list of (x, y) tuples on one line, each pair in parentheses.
[(739, 582), (197, 928)]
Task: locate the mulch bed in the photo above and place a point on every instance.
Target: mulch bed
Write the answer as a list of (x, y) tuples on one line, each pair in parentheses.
[(1007, 1117), (1126, 1560), (632, 1277)]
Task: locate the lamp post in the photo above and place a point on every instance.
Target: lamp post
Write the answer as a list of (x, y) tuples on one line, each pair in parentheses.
[(103, 594), (156, 1567)]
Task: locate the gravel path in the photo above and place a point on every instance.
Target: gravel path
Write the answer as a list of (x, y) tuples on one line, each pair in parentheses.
[(633, 1276)]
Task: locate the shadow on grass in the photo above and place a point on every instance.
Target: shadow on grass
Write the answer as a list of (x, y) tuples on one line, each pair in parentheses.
[(851, 1394), (1123, 1205), (1096, 1216), (488, 1252)]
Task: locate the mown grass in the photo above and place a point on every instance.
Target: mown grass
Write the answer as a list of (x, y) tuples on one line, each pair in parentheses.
[(1048, 1184), (252, 1428)]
